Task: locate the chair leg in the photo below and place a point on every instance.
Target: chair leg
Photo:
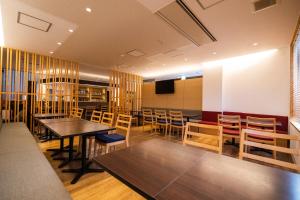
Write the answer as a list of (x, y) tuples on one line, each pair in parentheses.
[(106, 149), (166, 130), (95, 148)]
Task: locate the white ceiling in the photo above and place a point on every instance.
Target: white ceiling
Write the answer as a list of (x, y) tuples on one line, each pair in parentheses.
[(116, 27)]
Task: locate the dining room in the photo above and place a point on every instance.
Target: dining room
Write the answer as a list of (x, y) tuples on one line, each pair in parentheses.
[(139, 99)]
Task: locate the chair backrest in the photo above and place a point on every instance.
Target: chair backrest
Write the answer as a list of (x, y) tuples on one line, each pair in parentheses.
[(107, 119), (124, 123), (73, 112), (265, 124), (160, 114), (230, 121), (205, 136), (79, 113), (147, 114), (176, 116), (244, 141), (104, 108), (96, 116)]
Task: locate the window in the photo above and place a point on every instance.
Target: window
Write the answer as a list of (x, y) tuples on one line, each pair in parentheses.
[(295, 76)]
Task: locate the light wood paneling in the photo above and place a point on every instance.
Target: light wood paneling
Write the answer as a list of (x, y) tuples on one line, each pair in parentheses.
[(125, 92), (50, 83), (188, 95)]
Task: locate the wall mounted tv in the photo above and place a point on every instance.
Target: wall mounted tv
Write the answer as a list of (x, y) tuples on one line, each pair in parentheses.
[(164, 87)]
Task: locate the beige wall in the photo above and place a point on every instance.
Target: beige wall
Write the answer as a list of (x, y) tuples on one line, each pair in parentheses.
[(188, 95)]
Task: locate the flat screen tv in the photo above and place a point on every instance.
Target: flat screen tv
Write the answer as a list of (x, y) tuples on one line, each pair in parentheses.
[(164, 87)]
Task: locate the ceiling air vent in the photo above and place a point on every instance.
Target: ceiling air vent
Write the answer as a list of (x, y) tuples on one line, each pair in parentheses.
[(180, 17), (263, 4), (33, 22)]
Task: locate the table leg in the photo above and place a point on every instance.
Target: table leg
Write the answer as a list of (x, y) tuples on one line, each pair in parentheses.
[(84, 165)]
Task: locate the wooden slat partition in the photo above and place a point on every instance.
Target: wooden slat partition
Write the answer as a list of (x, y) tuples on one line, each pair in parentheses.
[(125, 92), (31, 83)]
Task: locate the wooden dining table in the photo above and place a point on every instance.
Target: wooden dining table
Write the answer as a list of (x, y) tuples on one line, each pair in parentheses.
[(69, 128), (159, 169)]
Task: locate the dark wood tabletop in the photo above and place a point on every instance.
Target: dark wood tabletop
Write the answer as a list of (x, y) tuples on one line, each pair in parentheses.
[(159, 169), (38, 116), (48, 121), (74, 127)]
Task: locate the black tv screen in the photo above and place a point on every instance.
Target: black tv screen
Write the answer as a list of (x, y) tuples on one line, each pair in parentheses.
[(164, 87)]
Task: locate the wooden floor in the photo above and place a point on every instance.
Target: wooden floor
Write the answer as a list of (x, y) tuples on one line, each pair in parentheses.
[(104, 186)]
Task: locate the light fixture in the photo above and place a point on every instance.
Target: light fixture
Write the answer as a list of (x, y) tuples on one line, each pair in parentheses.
[(183, 77), (163, 64), (185, 59), (59, 43), (122, 55), (214, 53), (51, 52), (87, 9), (71, 30), (255, 44)]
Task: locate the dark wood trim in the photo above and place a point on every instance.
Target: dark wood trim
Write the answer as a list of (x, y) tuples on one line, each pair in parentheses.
[(87, 82)]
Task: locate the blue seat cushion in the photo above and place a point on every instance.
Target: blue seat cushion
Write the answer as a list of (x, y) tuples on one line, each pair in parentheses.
[(161, 121), (148, 119), (177, 123), (109, 138)]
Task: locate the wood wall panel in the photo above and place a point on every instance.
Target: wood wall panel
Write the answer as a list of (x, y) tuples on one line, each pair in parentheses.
[(188, 95), (50, 83)]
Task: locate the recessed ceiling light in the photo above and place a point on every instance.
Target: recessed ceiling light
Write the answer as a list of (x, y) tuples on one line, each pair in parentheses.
[(135, 53), (255, 44), (164, 64), (59, 43), (88, 9), (185, 59), (71, 30), (122, 55), (51, 52), (214, 53)]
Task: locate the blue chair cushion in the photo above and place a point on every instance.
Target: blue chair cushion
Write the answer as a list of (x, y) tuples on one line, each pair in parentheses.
[(177, 123), (161, 121), (148, 119), (109, 138)]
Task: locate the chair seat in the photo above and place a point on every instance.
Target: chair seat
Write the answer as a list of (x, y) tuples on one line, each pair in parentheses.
[(148, 119), (109, 138), (162, 121), (177, 123), (260, 137), (231, 131)]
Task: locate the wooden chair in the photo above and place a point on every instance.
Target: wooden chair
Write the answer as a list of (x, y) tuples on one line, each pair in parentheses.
[(79, 113), (176, 121), (96, 116), (73, 113), (107, 119), (203, 136), (112, 139), (265, 134), (261, 124), (148, 119), (161, 120), (231, 126)]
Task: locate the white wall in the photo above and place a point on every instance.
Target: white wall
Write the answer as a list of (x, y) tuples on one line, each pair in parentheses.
[(259, 86), (258, 83), (212, 88)]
